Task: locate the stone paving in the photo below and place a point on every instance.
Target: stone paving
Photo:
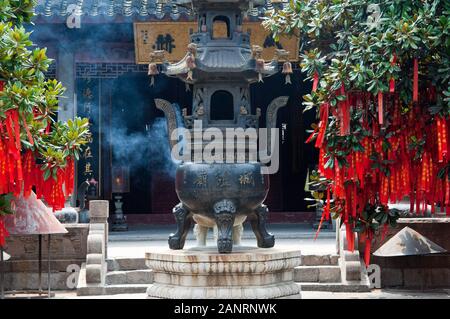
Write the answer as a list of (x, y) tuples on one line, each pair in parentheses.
[(374, 294), (138, 240)]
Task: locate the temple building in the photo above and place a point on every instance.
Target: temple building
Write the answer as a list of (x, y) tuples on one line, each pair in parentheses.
[(101, 50)]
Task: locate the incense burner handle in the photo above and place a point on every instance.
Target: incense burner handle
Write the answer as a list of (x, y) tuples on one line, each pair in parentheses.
[(271, 116), (171, 118)]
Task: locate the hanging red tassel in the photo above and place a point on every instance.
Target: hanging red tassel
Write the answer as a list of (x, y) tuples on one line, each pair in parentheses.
[(309, 139), (324, 114), (443, 153), (439, 139), (339, 189), (56, 193), (380, 108), (384, 191), (69, 176), (392, 80), (320, 226), (315, 81), (327, 206), (367, 247), (28, 173), (392, 85), (416, 81), (350, 237), (3, 170)]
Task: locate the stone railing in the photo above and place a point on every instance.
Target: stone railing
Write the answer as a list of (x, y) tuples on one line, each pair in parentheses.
[(97, 242), (349, 261)]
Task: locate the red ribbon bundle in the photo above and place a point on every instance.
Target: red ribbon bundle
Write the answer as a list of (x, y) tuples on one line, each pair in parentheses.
[(18, 170), (388, 168), (52, 191)]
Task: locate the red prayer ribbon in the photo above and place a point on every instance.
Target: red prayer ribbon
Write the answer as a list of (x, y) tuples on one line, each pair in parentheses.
[(315, 81), (392, 80), (380, 108), (324, 114)]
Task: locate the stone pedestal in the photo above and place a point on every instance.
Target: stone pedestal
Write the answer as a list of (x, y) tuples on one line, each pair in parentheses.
[(203, 273)]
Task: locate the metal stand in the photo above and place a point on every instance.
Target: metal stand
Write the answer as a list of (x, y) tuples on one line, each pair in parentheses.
[(48, 269), (2, 275), (40, 292), (40, 264)]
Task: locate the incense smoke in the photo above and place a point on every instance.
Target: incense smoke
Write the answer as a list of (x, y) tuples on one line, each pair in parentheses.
[(143, 150)]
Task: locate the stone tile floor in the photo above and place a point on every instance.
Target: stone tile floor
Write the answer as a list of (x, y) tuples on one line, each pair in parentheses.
[(374, 294), (138, 240), (160, 232)]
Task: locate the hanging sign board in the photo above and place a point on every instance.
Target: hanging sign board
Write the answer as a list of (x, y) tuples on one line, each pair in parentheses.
[(173, 37)]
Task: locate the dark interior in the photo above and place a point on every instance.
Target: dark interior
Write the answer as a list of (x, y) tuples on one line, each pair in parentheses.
[(222, 106)]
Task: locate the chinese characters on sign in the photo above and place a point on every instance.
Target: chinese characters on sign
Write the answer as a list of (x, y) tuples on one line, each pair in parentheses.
[(88, 164), (164, 43), (173, 37), (88, 97)]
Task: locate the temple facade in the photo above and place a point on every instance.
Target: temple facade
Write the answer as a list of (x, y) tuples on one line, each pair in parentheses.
[(102, 49)]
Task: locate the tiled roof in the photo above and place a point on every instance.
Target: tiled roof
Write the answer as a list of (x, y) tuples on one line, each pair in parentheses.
[(158, 9)]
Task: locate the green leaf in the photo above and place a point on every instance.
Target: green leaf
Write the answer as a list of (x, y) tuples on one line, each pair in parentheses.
[(47, 174)]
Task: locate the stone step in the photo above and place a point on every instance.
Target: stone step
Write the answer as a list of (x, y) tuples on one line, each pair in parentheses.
[(125, 289), (320, 260), (143, 276), (335, 287), (119, 264), (322, 274), (127, 263), (331, 287)]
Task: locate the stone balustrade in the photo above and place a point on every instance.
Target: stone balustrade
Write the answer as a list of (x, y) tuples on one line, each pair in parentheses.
[(97, 242)]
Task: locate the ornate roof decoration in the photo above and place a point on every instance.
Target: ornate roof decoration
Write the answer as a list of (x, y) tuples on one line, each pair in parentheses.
[(158, 9), (215, 56)]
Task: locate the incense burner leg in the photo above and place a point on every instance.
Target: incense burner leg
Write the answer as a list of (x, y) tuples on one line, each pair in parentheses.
[(224, 213), (258, 222), (184, 223)]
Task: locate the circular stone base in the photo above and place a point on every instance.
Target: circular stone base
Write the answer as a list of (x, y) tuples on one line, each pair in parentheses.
[(203, 273)]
